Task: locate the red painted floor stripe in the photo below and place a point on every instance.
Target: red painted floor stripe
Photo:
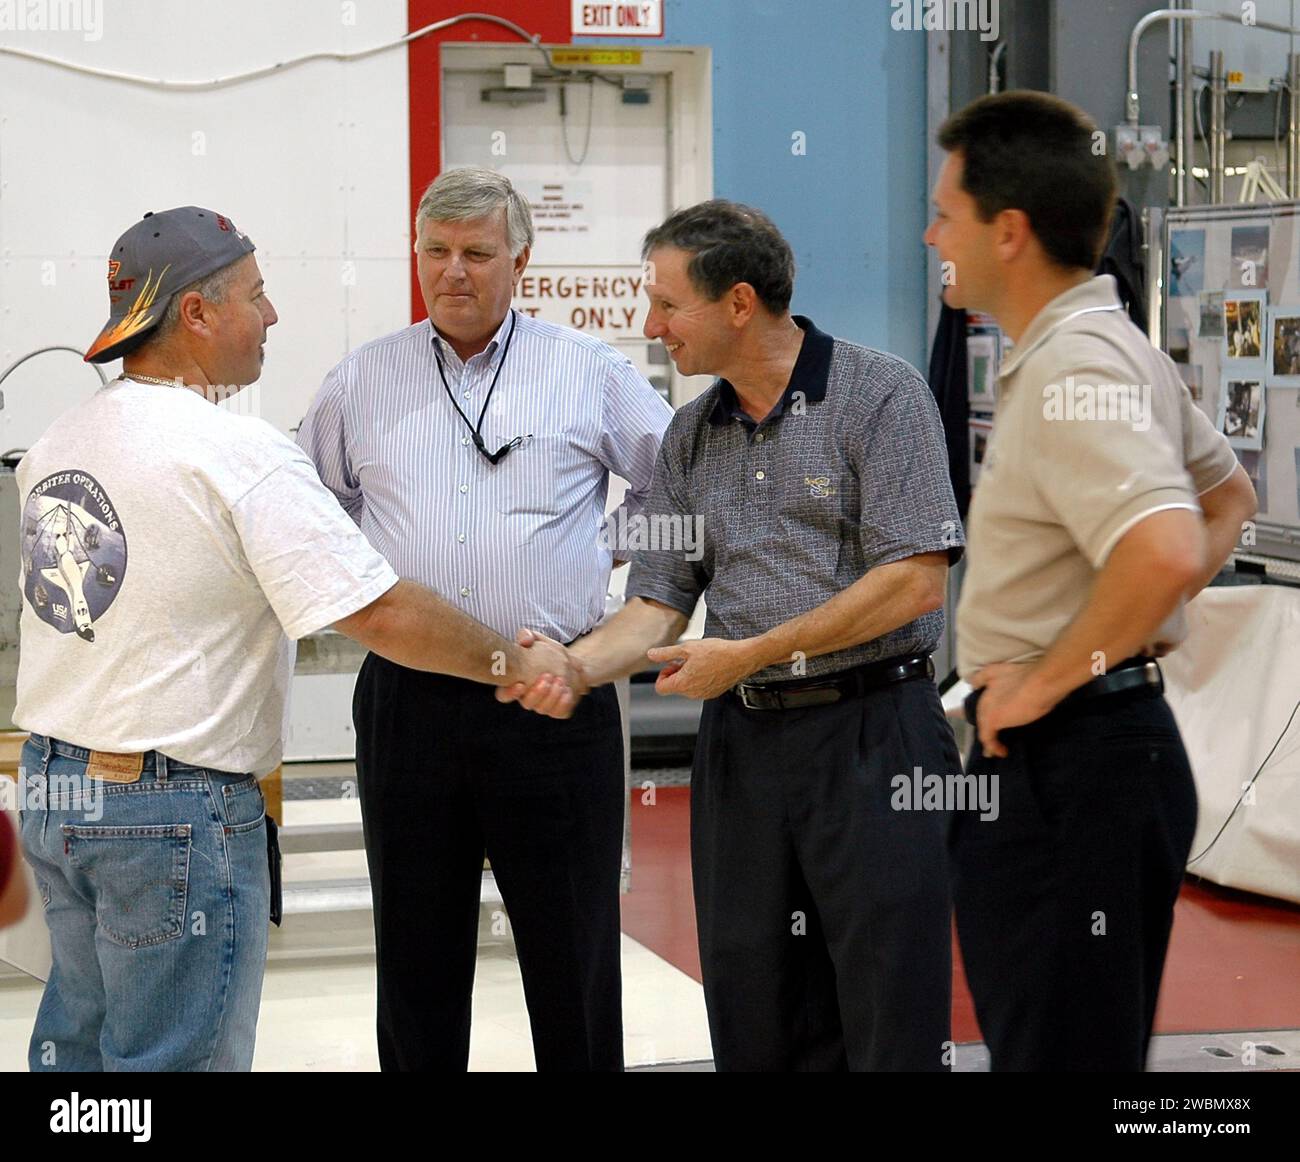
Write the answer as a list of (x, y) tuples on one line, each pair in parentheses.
[(659, 910), (1234, 958)]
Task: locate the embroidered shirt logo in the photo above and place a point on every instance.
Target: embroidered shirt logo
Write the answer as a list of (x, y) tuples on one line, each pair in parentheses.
[(819, 486)]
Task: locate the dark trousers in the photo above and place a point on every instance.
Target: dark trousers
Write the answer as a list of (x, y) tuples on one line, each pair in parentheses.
[(823, 912), (446, 774), (1065, 901)]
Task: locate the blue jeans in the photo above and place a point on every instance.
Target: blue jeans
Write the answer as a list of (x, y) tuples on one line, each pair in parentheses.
[(157, 899)]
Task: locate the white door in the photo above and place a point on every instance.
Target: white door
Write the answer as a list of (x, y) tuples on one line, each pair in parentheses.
[(597, 154)]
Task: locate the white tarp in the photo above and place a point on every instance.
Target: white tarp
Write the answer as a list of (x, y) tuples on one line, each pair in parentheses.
[(1234, 684)]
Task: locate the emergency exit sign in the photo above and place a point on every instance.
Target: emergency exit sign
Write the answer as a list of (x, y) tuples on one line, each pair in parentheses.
[(631, 18)]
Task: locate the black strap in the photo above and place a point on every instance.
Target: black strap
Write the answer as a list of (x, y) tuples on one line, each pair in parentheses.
[(475, 429), (273, 866)]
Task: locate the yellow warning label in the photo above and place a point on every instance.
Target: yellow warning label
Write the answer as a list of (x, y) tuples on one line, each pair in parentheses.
[(595, 56)]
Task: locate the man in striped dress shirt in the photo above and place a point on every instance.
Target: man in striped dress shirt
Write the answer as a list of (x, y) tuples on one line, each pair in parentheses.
[(474, 450)]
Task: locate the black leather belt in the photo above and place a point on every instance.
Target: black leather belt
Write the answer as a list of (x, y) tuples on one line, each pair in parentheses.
[(834, 688), (1131, 674)]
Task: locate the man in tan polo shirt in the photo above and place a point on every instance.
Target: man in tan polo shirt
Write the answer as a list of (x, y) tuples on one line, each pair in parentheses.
[(1106, 499)]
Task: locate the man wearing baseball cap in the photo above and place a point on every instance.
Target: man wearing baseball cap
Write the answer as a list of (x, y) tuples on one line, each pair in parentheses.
[(170, 551)]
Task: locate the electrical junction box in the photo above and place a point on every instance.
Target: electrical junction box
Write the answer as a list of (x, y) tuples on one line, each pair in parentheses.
[(519, 76), (1239, 82)]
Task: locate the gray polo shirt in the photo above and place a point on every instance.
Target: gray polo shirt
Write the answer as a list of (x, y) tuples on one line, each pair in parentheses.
[(847, 473)]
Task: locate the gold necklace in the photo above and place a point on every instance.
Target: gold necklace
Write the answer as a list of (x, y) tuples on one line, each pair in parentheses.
[(152, 379)]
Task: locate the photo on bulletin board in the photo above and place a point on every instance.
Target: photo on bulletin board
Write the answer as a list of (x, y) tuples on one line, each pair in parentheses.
[(1211, 315), (1241, 410), (1284, 346), (1186, 262), (1243, 323), (1193, 374), (1252, 462), (980, 431), (981, 369), (1180, 344), (1249, 263)]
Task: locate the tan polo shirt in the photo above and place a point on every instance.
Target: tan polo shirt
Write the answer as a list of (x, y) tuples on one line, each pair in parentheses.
[(1093, 431)]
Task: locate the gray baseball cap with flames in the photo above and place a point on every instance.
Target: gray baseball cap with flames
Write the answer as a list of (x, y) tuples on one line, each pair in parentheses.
[(160, 255)]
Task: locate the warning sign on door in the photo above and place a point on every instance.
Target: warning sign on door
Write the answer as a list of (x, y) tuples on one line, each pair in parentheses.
[(559, 207), (601, 300)]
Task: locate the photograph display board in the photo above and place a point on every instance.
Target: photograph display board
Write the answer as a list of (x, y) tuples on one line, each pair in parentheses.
[(1232, 326)]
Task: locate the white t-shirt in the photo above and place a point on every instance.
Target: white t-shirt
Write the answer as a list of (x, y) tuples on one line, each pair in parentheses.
[(168, 548)]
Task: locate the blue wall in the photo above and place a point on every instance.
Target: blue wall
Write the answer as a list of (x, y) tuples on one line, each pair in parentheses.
[(854, 207)]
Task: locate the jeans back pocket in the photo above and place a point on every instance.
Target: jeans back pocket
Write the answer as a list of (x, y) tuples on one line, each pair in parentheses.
[(140, 877)]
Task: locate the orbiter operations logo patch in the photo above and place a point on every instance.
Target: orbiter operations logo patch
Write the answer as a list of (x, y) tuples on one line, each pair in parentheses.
[(74, 552)]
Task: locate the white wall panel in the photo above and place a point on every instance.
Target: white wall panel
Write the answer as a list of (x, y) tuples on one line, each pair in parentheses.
[(312, 163)]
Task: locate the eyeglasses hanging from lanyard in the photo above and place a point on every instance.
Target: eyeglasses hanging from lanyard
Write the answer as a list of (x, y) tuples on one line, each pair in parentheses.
[(475, 429)]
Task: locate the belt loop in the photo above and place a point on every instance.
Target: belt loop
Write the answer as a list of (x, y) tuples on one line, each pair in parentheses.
[(160, 766)]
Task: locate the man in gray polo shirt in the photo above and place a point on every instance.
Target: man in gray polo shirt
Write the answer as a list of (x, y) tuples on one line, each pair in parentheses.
[(1105, 500), (821, 527)]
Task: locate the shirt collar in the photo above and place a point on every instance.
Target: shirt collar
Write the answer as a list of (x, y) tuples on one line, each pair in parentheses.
[(1097, 294), (810, 376), (494, 344)]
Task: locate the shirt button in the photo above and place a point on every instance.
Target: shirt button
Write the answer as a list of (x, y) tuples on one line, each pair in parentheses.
[(464, 439), (460, 537), (467, 395), (760, 475), (759, 438), (464, 488), (464, 590)]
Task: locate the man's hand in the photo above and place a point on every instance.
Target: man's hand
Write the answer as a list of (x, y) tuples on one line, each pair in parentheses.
[(552, 681), (702, 669), (1169, 634), (1009, 699), (1158, 649)]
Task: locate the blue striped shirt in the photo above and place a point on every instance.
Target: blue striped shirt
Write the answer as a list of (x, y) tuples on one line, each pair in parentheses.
[(513, 544)]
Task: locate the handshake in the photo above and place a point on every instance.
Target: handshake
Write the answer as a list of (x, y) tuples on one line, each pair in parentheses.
[(550, 679)]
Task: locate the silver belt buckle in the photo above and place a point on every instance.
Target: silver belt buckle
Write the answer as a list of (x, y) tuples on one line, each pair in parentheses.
[(741, 690)]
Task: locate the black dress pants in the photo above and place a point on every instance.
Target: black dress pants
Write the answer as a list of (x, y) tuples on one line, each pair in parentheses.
[(823, 912), (1065, 900), (446, 774)]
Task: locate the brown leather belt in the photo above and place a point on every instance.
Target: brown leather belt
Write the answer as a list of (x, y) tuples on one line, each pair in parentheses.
[(835, 687)]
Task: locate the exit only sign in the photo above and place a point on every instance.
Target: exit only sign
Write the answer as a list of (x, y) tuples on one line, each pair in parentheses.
[(618, 18)]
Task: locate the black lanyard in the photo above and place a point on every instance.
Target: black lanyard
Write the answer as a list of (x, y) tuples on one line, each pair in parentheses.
[(475, 429)]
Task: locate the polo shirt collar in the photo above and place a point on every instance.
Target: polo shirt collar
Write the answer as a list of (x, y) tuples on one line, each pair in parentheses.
[(812, 370), (490, 350), (1097, 294)]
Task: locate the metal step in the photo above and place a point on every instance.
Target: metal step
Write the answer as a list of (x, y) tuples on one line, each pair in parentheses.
[(301, 837)]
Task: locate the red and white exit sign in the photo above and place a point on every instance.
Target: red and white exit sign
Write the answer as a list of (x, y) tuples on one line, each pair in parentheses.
[(618, 18)]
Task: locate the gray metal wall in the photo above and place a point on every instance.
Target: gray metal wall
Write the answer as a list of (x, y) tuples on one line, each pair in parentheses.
[(1077, 49)]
